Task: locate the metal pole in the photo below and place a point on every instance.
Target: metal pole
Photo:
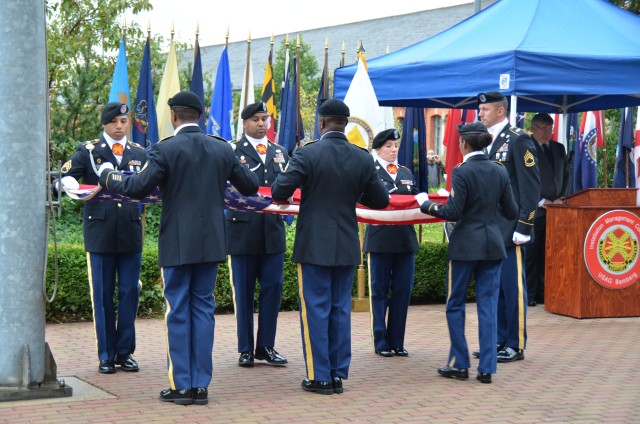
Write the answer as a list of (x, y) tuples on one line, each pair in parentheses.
[(23, 106), (25, 361)]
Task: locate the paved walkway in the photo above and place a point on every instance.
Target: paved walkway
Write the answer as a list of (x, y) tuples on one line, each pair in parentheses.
[(578, 371)]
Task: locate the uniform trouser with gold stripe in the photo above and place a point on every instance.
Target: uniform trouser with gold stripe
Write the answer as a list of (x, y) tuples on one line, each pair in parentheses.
[(487, 275), (189, 308), (390, 271), (512, 301), (115, 333), (325, 319), (245, 270)]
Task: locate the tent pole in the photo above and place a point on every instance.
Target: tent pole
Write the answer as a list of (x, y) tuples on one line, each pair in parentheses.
[(513, 112), (562, 132)]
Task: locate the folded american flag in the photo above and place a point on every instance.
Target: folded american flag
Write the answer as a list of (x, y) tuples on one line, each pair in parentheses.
[(402, 210)]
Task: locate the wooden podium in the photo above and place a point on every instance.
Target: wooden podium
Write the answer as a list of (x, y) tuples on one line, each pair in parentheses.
[(569, 287)]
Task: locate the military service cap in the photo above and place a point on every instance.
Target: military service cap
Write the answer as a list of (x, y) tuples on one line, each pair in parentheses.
[(334, 108), (186, 100), (383, 136), (252, 109), (472, 128), (111, 110), (490, 97)]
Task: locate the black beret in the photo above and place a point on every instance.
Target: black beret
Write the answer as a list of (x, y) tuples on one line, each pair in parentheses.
[(111, 110), (252, 109), (335, 108), (383, 136), (472, 128), (186, 100), (490, 97)]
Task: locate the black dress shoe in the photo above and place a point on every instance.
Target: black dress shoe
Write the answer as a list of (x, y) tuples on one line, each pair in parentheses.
[(179, 397), (400, 351), (484, 377), (246, 359), (270, 355), (457, 373), (200, 395), (107, 367), (127, 363), (509, 355), (531, 302), (321, 387), (384, 352), (337, 385)]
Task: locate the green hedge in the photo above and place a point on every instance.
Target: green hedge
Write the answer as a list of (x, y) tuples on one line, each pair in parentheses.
[(72, 301)]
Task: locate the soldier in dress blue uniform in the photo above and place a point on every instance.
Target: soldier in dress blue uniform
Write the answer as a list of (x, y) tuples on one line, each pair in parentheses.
[(256, 243), (333, 175), (391, 255), (112, 239), (191, 169), (480, 188), (512, 147)]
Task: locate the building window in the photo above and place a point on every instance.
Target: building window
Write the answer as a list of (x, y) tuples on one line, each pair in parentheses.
[(438, 135)]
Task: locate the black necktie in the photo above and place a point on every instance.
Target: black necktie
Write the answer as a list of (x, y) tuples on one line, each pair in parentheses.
[(547, 152)]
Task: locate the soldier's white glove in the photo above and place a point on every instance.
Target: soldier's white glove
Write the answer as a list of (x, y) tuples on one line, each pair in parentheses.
[(421, 198), (104, 166), (69, 182), (519, 239)]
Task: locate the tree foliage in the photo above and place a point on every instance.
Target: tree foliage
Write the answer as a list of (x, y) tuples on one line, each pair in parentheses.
[(631, 5)]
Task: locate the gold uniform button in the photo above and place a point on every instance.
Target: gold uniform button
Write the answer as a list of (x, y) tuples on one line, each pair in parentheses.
[(266, 182), (119, 205), (233, 219)]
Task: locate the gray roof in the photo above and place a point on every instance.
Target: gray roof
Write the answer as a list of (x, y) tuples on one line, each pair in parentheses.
[(396, 32)]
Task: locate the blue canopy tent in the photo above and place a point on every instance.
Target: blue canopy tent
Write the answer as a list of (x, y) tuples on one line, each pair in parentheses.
[(553, 56)]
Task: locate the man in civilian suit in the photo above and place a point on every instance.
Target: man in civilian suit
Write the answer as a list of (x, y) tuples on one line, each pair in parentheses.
[(191, 169), (512, 147), (554, 182), (333, 175), (256, 243)]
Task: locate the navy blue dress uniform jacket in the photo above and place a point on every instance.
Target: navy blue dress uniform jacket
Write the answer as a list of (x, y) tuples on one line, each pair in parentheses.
[(393, 238), (181, 166), (475, 196), (254, 233), (326, 228), (515, 150), (109, 227)]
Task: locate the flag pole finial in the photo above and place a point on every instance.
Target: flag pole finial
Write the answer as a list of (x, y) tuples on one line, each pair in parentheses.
[(149, 28), (326, 42), (271, 45), (172, 31), (249, 38), (226, 38), (197, 30), (344, 50), (388, 49), (286, 42), (298, 42)]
